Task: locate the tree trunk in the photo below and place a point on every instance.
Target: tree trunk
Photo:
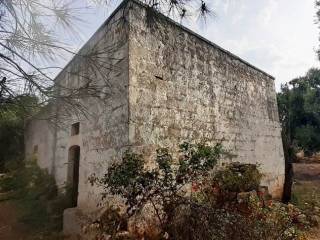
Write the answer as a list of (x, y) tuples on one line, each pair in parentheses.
[(289, 157)]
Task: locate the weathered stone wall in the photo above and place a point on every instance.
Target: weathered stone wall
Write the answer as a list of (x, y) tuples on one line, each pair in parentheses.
[(102, 66), (39, 141), (183, 87), (160, 85)]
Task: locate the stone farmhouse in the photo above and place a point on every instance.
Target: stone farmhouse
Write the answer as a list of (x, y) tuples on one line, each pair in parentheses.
[(159, 84)]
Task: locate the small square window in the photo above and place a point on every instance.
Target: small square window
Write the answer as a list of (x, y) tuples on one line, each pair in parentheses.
[(75, 129), (35, 149)]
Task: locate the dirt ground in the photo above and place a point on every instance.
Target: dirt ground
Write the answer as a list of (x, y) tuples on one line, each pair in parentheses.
[(307, 172), (10, 229)]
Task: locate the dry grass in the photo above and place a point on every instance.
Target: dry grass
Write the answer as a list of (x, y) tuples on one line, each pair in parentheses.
[(306, 192), (306, 188)]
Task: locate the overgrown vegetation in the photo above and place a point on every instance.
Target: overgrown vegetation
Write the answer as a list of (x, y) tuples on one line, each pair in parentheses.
[(306, 195), (299, 104), (238, 177), (164, 185), (34, 192), (12, 120), (190, 197), (306, 191)]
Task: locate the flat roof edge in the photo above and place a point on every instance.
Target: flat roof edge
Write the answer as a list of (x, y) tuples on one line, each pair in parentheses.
[(124, 2), (204, 39), (121, 5)]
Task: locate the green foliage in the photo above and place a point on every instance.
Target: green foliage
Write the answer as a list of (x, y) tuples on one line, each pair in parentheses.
[(230, 205), (308, 138), (306, 195), (162, 186), (12, 119), (198, 159), (127, 175), (200, 222), (34, 192), (195, 214), (238, 177), (299, 111)]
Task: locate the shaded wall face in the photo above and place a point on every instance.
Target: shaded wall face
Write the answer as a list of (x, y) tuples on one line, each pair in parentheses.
[(39, 142), (182, 88), (101, 69), (104, 129)]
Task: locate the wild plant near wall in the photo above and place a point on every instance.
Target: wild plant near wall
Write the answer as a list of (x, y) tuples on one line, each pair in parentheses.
[(192, 201), (34, 193), (164, 186)]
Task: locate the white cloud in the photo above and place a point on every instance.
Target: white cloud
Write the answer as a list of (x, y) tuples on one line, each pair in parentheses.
[(268, 11), (276, 36), (279, 37), (222, 5)]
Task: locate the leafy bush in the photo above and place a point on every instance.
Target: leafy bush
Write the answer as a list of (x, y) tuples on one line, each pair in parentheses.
[(223, 186), (165, 186), (13, 114), (35, 194), (238, 177), (202, 222), (231, 205), (191, 201), (306, 195), (299, 114), (11, 138)]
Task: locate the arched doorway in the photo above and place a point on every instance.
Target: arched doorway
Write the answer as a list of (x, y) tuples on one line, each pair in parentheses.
[(73, 174)]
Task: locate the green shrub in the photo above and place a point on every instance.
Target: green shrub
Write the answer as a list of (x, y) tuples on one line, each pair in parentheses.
[(306, 195), (162, 186), (35, 194), (198, 222), (192, 202), (238, 177), (13, 114)]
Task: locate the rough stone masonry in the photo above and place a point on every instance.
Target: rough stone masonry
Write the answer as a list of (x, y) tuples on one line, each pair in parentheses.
[(160, 84)]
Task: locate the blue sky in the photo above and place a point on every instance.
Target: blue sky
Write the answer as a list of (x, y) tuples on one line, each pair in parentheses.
[(278, 36)]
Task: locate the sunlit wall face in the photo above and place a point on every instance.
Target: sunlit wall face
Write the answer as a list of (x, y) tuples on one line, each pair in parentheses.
[(279, 37)]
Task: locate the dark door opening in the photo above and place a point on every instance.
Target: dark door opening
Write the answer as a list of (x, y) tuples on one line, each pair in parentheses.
[(73, 174)]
